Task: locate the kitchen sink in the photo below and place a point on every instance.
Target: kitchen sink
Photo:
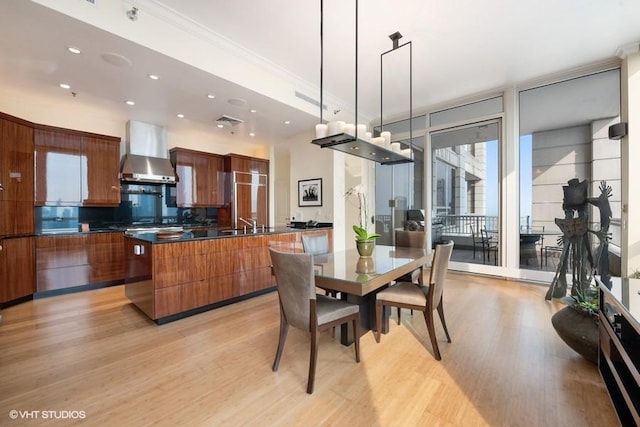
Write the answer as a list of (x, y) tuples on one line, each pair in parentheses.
[(232, 231), (247, 231)]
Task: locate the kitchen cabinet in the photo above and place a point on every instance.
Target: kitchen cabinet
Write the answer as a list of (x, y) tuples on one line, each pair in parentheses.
[(239, 163), (248, 194), (250, 198), (101, 172), (619, 346), (16, 176), (17, 268), (178, 278), (80, 259), (200, 178), (76, 168)]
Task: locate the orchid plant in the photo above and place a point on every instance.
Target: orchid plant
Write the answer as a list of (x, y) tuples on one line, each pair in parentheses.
[(362, 234)]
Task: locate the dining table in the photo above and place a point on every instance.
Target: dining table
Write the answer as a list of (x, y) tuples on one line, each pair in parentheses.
[(358, 279)]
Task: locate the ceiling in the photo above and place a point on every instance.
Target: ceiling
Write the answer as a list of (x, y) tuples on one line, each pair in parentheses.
[(459, 48)]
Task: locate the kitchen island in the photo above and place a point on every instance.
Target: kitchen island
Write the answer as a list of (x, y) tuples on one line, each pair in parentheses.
[(177, 275)]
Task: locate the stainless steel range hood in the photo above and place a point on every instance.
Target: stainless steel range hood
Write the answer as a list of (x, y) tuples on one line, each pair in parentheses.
[(146, 159)]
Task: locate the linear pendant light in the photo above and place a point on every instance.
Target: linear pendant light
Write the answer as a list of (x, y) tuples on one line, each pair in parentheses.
[(356, 144)]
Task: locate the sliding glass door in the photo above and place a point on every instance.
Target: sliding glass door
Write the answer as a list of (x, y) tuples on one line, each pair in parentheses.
[(465, 191), (399, 190)]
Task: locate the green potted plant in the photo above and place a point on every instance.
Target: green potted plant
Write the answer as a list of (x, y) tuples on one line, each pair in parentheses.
[(365, 240)]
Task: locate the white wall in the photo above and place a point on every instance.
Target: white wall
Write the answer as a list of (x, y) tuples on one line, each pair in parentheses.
[(308, 161), (630, 148)]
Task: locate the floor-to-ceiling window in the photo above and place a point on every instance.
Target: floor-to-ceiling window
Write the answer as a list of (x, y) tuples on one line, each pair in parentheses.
[(564, 135)]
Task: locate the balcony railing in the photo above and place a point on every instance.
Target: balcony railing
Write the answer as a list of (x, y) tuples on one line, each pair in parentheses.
[(461, 224)]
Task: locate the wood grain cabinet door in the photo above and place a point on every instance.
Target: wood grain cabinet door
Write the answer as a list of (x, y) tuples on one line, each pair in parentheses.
[(101, 185), (16, 178), (17, 268), (16, 161), (215, 180), (198, 178), (184, 164)]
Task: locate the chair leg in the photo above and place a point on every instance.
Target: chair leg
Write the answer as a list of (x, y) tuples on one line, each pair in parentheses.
[(428, 317), (378, 320), (444, 324), (399, 316), (313, 358), (356, 336), (284, 328)]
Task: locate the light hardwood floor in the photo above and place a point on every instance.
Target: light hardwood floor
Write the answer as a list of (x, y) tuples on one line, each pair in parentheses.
[(94, 352)]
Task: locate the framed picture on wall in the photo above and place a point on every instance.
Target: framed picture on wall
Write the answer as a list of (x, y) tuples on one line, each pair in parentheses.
[(310, 192)]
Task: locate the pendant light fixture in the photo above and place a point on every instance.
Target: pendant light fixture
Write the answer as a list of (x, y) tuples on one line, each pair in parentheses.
[(353, 139)]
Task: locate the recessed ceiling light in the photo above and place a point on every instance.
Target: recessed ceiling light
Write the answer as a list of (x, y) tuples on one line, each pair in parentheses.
[(253, 111), (252, 134), (130, 102), (153, 77), (287, 122), (220, 125), (211, 96), (180, 115), (73, 49), (65, 86)]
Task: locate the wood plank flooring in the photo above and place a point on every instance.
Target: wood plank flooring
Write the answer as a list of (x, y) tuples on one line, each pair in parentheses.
[(94, 352)]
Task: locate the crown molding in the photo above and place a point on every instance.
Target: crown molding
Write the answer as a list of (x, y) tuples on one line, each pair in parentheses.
[(627, 50)]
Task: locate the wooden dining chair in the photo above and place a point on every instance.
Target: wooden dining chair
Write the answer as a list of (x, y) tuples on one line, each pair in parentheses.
[(302, 308), (425, 298)]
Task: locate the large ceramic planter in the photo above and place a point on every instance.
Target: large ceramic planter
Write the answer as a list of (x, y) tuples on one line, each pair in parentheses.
[(578, 330), (365, 247)]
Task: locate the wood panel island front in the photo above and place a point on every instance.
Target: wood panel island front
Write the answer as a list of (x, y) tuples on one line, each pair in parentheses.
[(178, 275)]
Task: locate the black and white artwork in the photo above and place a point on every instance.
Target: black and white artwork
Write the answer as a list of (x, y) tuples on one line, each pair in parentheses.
[(310, 192)]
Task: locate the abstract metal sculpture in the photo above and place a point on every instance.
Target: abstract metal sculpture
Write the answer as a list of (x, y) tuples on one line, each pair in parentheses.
[(575, 242)]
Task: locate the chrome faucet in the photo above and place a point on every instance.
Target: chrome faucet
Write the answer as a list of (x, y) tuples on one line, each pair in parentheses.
[(253, 223)]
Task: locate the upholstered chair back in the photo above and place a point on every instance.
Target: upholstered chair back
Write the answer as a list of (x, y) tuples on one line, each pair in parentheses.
[(316, 244), (439, 268), (296, 285)]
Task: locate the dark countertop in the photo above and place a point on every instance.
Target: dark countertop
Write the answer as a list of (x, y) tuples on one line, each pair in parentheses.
[(204, 234), (200, 229)]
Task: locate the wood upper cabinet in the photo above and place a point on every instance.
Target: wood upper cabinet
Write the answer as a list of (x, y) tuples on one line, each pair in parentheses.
[(200, 180), (16, 176), (101, 171), (76, 169), (17, 268), (239, 163)]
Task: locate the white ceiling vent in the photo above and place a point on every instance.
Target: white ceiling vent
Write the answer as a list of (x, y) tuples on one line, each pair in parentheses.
[(228, 120)]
